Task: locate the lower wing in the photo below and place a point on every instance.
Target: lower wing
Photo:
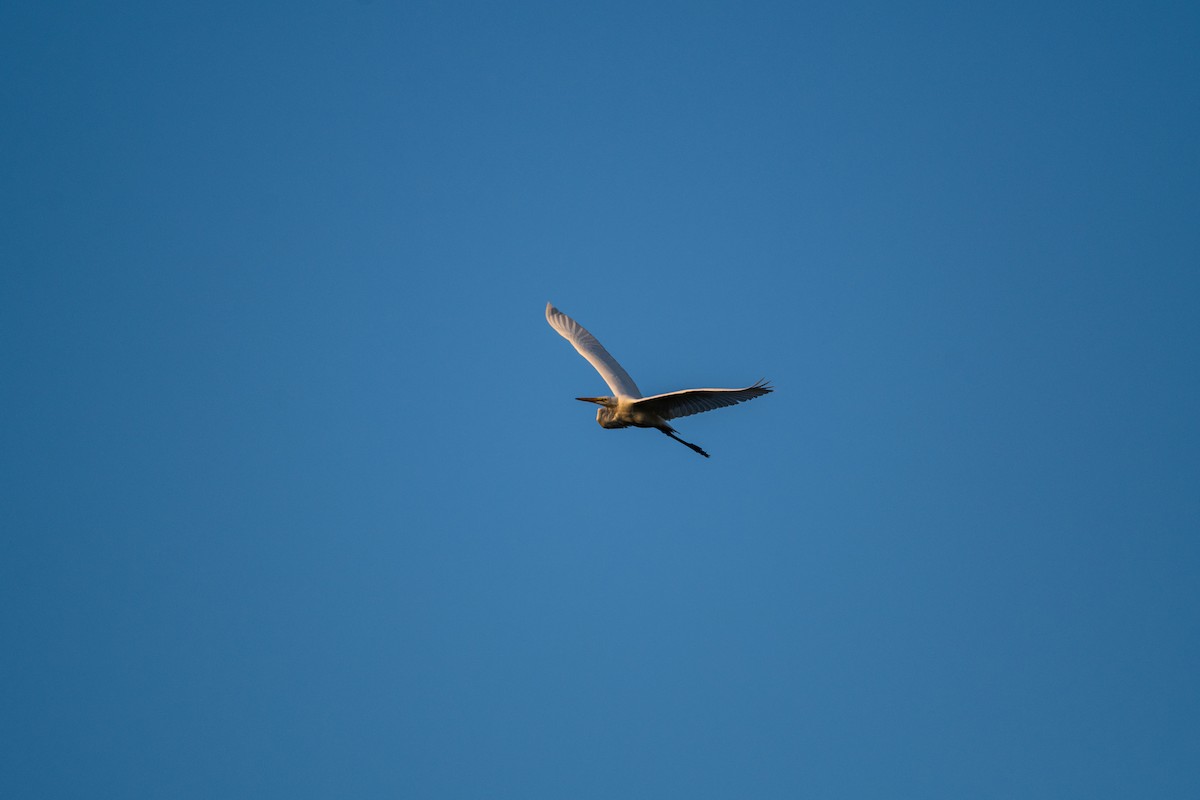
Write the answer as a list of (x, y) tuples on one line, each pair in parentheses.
[(696, 401)]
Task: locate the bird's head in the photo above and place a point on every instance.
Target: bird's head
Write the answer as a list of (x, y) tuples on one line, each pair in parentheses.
[(604, 414)]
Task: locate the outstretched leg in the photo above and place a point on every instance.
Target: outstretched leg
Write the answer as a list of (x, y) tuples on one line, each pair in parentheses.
[(671, 432)]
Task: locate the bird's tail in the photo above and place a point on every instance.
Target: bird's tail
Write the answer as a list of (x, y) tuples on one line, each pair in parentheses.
[(671, 432)]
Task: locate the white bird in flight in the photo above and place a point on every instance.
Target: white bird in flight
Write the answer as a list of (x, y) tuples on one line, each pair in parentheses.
[(629, 408)]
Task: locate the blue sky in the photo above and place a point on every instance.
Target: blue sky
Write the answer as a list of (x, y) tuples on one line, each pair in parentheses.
[(298, 502)]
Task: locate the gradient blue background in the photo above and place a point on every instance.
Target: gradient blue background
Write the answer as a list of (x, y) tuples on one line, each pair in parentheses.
[(297, 502)]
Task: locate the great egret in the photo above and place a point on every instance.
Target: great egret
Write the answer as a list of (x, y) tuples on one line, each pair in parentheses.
[(629, 408)]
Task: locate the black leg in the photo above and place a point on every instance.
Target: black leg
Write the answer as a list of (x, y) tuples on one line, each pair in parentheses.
[(671, 432)]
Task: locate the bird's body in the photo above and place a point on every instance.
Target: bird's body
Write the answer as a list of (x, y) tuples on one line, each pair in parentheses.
[(623, 412), (627, 408)]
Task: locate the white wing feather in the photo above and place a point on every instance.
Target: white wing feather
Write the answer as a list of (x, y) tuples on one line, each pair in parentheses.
[(695, 401), (613, 373)]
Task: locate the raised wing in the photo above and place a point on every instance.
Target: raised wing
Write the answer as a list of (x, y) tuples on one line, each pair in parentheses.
[(614, 375), (695, 401)]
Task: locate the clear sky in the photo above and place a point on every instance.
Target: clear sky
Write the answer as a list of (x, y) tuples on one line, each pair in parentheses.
[(297, 499)]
